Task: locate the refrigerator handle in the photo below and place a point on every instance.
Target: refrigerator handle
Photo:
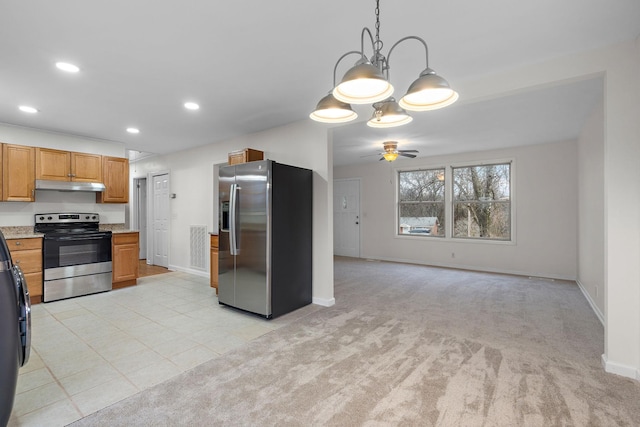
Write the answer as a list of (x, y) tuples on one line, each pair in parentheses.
[(233, 202)]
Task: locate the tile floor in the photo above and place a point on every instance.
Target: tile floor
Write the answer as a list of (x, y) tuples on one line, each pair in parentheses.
[(90, 352)]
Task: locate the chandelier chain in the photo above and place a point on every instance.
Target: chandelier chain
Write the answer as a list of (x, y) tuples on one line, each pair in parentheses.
[(378, 42)]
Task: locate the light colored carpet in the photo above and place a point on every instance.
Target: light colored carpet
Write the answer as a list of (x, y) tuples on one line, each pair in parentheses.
[(407, 345)]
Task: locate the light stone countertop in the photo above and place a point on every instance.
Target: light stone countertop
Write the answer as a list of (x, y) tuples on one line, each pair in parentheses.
[(19, 232)]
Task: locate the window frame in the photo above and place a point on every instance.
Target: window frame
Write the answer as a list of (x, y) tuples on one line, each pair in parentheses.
[(448, 201), (429, 202), (454, 202)]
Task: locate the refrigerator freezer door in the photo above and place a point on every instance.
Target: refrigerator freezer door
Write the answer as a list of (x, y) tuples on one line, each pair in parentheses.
[(252, 287), (226, 262)]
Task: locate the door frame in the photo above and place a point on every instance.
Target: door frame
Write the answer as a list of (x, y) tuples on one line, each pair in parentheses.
[(137, 210), (150, 204), (359, 181)]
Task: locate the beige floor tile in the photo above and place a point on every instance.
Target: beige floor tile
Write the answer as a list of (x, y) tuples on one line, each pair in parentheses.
[(153, 374), (174, 346), (225, 343), (38, 398), (193, 357), (64, 367), (64, 315), (85, 380), (33, 379), (60, 413), (105, 394), (120, 349), (136, 361)]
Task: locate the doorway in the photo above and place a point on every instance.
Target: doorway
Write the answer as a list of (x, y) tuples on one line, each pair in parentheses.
[(346, 217)]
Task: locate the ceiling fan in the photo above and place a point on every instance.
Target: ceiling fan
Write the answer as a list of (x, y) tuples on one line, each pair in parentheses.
[(391, 151)]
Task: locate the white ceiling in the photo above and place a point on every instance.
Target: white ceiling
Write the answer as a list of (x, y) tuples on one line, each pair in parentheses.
[(254, 66)]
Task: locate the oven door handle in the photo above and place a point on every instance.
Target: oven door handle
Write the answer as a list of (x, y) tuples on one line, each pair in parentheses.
[(76, 238)]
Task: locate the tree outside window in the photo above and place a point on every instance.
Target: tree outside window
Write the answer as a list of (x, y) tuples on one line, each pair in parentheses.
[(482, 202), (421, 202)]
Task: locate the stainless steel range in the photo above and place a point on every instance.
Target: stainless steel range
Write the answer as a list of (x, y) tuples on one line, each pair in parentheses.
[(76, 255)]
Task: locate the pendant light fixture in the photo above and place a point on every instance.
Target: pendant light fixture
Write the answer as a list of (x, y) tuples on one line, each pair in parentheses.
[(368, 82), (388, 114)]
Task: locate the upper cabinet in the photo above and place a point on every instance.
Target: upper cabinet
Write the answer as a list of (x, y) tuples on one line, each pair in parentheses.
[(60, 165), (115, 172), (18, 173)]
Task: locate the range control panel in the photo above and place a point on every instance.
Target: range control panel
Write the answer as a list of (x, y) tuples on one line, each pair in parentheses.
[(58, 218)]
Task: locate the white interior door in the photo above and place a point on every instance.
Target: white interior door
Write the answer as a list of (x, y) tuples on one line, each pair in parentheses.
[(161, 220), (346, 217)]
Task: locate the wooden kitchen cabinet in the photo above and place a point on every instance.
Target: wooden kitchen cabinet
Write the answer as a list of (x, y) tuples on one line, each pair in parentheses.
[(18, 173), (115, 174), (124, 255), (61, 165), (27, 253), (246, 155), (214, 262)]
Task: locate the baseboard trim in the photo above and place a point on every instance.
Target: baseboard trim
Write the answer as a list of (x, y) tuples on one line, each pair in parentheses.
[(470, 268), (620, 369), (593, 305), (190, 271), (325, 302)]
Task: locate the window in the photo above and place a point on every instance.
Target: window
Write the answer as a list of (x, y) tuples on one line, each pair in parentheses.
[(482, 202), (421, 202)]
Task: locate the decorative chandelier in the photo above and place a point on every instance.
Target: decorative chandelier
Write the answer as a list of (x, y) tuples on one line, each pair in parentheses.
[(368, 82)]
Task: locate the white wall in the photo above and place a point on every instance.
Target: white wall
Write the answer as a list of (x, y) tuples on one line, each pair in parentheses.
[(545, 201), (22, 213), (303, 144), (591, 211)]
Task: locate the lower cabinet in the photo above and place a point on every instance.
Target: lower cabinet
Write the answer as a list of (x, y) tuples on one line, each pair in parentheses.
[(125, 253), (27, 253), (214, 262)]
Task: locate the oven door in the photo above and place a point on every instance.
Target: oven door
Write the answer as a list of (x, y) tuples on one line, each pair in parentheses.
[(68, 250), (76, 264)]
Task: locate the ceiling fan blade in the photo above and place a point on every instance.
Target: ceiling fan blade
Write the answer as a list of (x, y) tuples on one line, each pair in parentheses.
[(407, 155), (408, 151)]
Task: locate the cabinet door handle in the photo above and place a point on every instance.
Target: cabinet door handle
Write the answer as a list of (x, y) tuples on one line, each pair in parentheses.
[(18, 243)]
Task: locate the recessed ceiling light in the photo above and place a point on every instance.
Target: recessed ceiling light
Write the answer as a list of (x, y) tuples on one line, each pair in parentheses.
[(191, 106), (65, 66), (27, 109), (133, 130)]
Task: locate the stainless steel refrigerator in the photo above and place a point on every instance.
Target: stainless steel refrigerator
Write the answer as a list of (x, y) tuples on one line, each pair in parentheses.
[(265, 237)]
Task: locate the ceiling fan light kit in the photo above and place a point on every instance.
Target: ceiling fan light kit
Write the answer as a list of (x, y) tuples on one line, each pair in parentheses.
[(368, 82), (391, 151)]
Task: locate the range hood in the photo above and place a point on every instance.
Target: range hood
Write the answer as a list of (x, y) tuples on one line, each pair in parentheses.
[(45, 184)]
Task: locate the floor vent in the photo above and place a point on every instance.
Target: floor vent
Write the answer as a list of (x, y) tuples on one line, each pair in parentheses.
[(199, 245)]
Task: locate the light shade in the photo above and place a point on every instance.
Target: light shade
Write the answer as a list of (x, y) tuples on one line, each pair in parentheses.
[(330, 110), (388, 114), (363, 84), (390, 157), (428, 92)]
